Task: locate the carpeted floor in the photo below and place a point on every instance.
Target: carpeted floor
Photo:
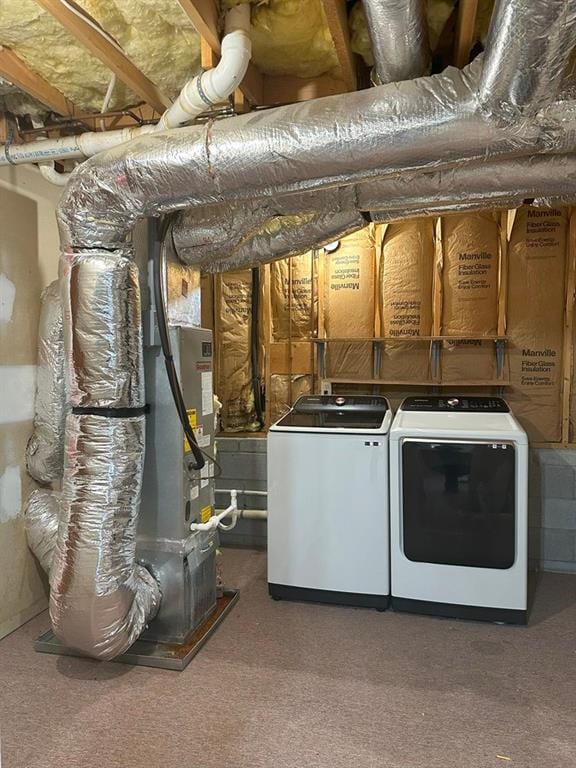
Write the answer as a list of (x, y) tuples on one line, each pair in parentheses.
[(284, 685)]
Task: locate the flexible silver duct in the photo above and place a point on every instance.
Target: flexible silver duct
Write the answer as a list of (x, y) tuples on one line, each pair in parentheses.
[(279, 238), (418, 124), (527, 51), (100, 599), (500, 183), (399, 35), (41, 519), (45, 449)]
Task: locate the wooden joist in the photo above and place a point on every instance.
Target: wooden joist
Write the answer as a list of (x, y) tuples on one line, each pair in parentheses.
[(108, 53), (204, 16), (286, 89), (336, 16), (467, 11), (13, 69)]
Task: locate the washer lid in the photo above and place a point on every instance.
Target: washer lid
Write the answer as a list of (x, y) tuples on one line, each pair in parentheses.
[(455, 404), (336, 412)]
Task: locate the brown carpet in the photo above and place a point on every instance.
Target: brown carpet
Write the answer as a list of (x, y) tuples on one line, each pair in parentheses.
[(284, 685)]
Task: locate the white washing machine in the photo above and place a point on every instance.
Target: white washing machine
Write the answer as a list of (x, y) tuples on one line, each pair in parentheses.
[(459, 509), (328, 523)]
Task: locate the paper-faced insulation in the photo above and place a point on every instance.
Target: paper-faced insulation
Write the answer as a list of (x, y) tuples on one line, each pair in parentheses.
[(293, 297), (233, 307), (349, 304), (405, 298), (535, 318)]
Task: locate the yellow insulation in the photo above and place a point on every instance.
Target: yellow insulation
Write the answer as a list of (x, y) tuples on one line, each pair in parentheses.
[(43, 44), (155, 34), (291, 37)]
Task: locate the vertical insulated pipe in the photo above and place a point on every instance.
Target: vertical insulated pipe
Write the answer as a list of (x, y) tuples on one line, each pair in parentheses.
[(100, 598), (399, 34), (527, 51)]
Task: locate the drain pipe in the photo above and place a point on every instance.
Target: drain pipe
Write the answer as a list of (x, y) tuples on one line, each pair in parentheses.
[(198, 95)]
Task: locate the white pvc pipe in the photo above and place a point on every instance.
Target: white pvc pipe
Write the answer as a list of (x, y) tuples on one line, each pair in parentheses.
[(216, 85), (197, 96), (216, 520), (51, 174)]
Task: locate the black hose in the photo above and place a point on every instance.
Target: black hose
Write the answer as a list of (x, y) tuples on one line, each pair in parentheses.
[(159, 262), (254, 344)]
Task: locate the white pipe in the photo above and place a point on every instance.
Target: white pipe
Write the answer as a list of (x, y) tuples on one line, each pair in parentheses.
[(216, 520), (216, 85), (51, 174), (197, 96)]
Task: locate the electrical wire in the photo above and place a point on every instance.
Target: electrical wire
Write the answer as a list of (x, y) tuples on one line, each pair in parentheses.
[(200, 455)]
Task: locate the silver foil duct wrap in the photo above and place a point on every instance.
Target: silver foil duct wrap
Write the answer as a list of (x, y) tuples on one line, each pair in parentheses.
[(527, 51), (103, 332), (485, 184), (45, 449), (287, 236), (422, 124), (41, 518), (399, 35), (100, 599)]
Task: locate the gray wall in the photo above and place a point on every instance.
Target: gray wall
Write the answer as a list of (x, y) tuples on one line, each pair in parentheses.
[(552, 499)]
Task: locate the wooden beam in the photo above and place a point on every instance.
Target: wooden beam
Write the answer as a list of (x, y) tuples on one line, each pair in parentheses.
[(286, 89), (467, 11), (14, 69), (337, 18), (204, 16), (108, 53)]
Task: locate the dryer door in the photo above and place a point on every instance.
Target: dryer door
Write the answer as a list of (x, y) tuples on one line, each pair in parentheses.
[(458, 503)]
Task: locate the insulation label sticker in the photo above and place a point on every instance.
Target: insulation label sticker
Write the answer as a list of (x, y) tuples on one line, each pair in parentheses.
[(205, 473), (207, 398), (191, 412), (205, 514)]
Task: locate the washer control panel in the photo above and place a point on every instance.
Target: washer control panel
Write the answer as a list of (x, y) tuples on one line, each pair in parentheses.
[(455, 403)]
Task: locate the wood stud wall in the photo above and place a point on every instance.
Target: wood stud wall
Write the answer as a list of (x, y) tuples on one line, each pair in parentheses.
[(296, 356)]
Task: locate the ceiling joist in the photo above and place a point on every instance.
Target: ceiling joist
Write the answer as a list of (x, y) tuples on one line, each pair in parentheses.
[(467, 11), (13, 69), (108, 53), (204, 16), (336, 16)]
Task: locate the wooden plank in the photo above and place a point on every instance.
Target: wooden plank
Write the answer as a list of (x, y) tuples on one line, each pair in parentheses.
[(467, 11), (337, 18), (503, 273), (286, 89), (108, 53), (14, 69), (291, 358), (568, 357), (204, 15)]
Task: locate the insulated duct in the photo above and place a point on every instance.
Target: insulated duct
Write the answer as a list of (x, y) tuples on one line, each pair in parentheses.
[(41, 520), (399, 35), (527, 51), (45, 449), (100, 599), (501, 183)]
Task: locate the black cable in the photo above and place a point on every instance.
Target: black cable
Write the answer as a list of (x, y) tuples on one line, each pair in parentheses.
[(254, 343)]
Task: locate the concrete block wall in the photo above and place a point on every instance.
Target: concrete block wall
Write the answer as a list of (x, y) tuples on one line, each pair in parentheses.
[(553, 509), (552, 500)]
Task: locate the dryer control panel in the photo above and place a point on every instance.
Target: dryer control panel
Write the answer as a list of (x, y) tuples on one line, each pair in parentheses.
[(449, 403)]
